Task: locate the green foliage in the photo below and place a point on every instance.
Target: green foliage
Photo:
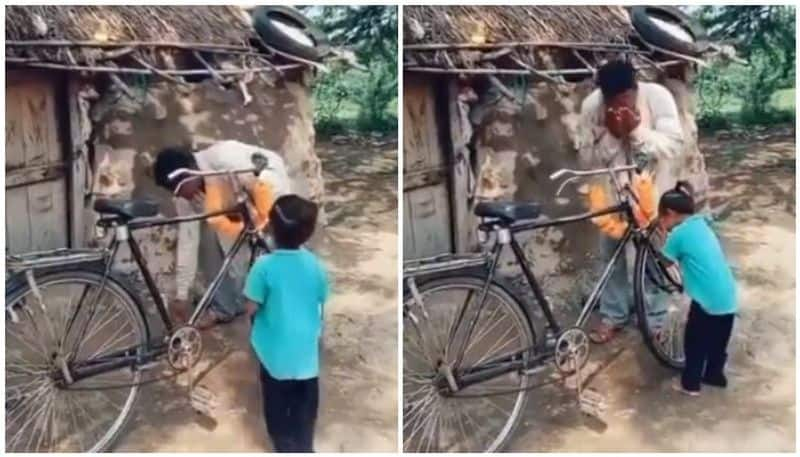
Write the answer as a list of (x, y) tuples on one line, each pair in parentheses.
[(359, 99), (734, 94)]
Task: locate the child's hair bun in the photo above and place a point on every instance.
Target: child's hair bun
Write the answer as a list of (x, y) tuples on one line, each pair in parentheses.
[(685, 188)]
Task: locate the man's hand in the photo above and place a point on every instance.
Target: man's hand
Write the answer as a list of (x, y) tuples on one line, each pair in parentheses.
[(621, 115)]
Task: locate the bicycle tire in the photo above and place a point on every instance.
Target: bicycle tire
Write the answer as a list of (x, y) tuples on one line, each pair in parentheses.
[(508, 299), (17, 289), (649, 336)]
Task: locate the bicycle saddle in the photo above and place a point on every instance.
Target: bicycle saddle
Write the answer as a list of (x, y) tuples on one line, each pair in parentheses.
[(508, 211), (127, 209)]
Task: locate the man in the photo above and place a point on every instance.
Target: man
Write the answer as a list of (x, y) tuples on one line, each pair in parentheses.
[(621, 119), (194, 196)]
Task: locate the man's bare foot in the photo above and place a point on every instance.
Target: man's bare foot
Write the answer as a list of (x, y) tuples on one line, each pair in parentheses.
[(603, 332)]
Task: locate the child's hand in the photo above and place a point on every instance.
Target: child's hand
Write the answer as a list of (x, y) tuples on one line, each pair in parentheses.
[(250, 308)]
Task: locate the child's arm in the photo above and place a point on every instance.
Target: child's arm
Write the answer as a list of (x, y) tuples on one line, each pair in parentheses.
[(250, 308), (255, 288)]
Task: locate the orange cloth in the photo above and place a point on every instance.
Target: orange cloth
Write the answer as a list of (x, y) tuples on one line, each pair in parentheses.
[(610, 224), (645, 190), (644, 212), (216, 198)]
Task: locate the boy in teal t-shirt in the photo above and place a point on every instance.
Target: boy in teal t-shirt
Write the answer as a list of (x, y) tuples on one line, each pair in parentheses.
[(708, 280), (286, 290)]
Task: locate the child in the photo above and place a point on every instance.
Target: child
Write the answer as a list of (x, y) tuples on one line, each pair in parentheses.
[(708, 280), (286, 290)]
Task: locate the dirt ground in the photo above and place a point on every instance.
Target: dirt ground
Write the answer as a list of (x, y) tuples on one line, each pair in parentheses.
[(358, 409), (753, 196)]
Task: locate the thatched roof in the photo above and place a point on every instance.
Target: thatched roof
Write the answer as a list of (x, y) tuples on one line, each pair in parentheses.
[(458, 24), (552, 43), (163, 40), (192, 24)]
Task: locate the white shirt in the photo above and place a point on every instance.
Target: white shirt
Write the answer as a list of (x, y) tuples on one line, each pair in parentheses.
[(659, 135), (224, 155)]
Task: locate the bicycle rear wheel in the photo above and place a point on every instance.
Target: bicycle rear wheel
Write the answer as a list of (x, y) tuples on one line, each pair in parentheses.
[(661, 306), (480, 417), (43, 413)]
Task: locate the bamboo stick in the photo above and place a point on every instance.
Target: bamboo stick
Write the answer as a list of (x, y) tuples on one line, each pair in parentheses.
[(119, 44), (513, 44), (511, 71), (169, 78), (139, 71)]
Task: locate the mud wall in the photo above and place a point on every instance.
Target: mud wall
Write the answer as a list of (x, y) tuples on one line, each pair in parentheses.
[(128, 132), (518, 145)]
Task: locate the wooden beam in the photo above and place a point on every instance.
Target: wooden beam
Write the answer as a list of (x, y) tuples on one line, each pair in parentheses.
[(459, 159), (423, 178), (142, 71), (31, 175), (515, 44), (76, 157)]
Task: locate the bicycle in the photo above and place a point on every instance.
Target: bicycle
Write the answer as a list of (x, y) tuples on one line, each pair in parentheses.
[(469, 341), (77, 337)]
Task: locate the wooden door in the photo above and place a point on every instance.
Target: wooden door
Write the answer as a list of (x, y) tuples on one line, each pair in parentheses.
[(36, 175), (427, 228)]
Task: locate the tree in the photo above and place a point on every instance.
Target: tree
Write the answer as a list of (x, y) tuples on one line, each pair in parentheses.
[(371, 32), (753, 29), (765, 36)]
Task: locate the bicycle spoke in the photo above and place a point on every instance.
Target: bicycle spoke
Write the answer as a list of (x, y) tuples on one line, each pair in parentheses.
[(478, 335)]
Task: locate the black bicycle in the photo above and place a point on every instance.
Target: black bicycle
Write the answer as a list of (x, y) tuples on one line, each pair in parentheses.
[(77, 337), (469, 341)]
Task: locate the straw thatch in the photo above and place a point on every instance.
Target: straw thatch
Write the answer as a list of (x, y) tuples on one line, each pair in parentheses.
[(206, 24), (168, 41), (458, 24), (513, 39)]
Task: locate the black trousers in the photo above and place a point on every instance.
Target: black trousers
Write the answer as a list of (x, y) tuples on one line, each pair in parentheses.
[(705, 345), (290, 411)]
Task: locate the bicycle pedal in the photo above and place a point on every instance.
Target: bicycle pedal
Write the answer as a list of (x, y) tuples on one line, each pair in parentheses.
[(204, 401)]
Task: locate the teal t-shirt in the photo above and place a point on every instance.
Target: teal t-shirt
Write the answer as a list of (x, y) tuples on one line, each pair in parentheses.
[(707, 277), (290, 287)]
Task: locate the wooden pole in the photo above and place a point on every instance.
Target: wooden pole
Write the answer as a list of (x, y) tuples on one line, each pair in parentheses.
[(140, 71), (516, 44), (120, 44)]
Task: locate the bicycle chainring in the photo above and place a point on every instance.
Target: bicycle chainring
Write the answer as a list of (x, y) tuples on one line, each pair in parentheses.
[(571, 350), (185, 348)]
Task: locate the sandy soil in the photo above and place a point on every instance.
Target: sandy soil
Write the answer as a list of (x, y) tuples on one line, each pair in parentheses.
[(358, 410), (753, 183)]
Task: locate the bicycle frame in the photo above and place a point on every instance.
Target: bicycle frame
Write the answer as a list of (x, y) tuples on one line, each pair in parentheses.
[(155, 348), (519, 360)]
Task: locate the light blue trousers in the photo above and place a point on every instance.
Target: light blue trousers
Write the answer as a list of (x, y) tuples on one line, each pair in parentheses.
[(616, 302)]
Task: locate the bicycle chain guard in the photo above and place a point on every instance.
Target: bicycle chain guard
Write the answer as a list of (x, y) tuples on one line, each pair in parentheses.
[(185, 347)]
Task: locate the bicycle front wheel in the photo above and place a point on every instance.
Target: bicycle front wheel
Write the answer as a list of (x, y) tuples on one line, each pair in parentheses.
[(661, 306), (481, 417), (45, 413)]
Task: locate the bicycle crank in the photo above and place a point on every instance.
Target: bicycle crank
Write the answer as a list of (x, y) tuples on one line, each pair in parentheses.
[(571, 350), (185, 348)]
